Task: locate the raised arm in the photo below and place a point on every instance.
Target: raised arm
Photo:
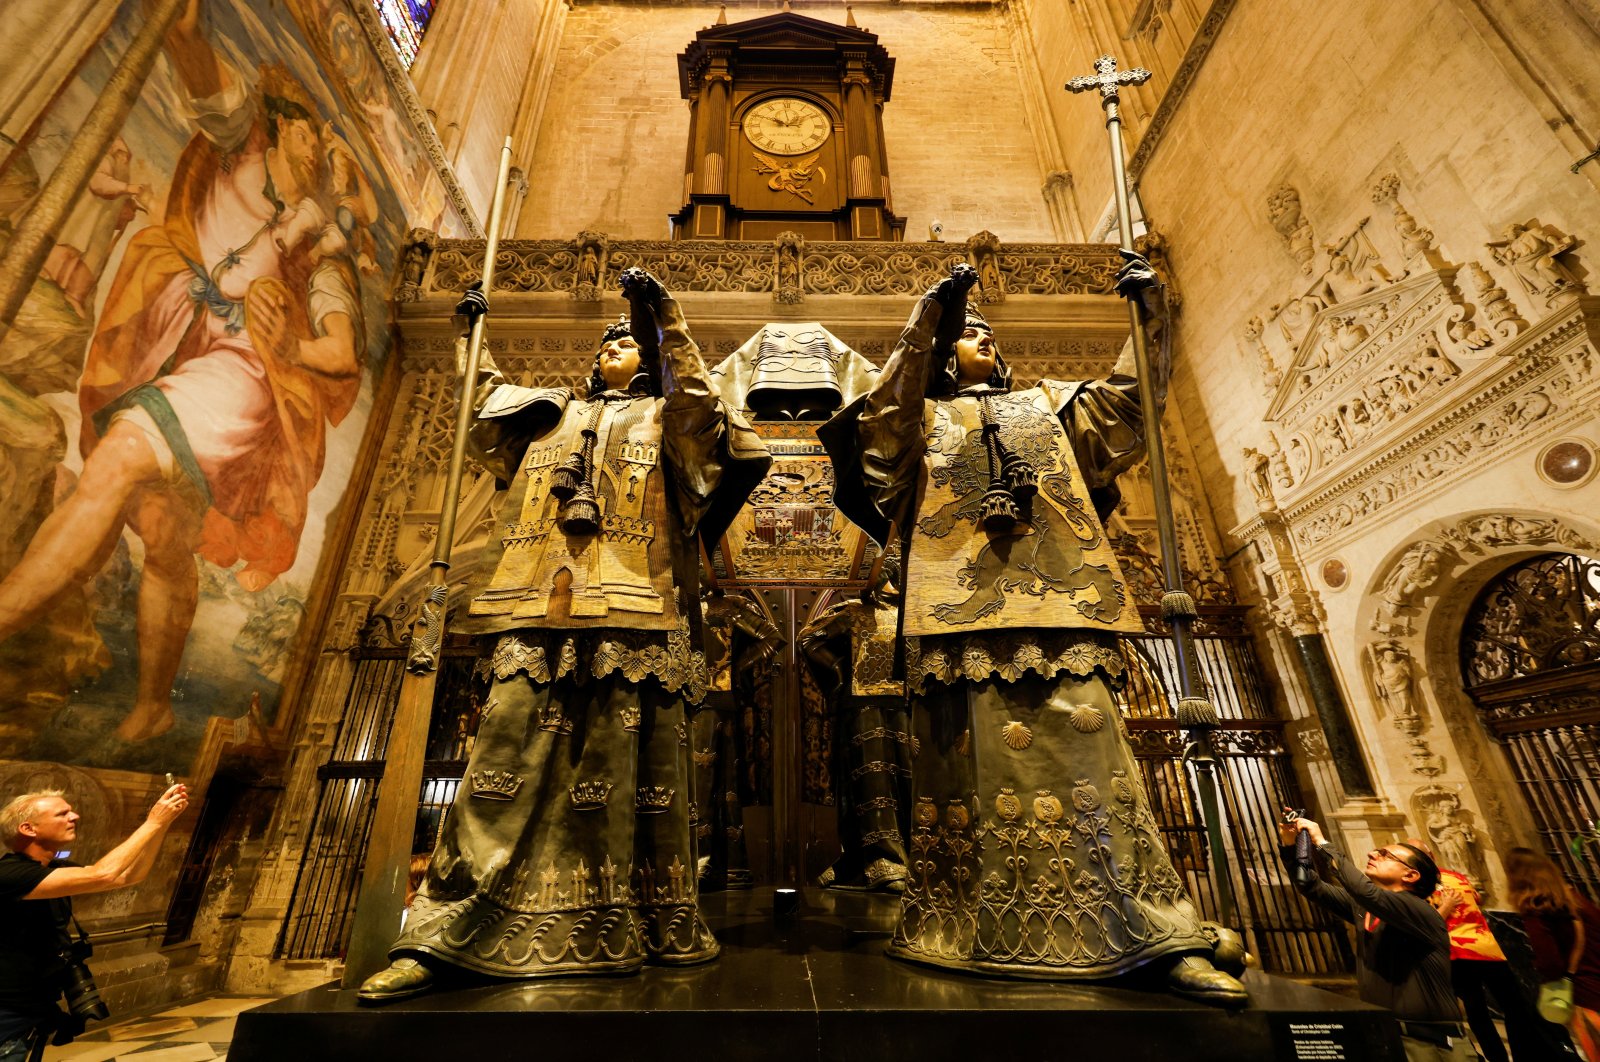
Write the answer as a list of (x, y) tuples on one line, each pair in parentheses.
[(889, 431), (715, 458), (1104, 418), (127, 864)]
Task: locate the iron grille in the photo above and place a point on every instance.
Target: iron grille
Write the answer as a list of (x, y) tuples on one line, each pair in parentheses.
[(1288, 934), (1530, 658), (322, 906)]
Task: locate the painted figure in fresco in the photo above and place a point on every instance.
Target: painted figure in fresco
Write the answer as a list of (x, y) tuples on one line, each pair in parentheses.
[(84, 244), (568, 848), (231, 338), (850, 651), (1034, 852)]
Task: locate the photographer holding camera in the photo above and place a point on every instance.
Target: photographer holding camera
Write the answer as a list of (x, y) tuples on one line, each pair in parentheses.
[(42, 949), (1402, 946)]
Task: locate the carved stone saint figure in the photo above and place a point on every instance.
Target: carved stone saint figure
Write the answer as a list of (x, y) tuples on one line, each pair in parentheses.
[(1532, 254), (1034, 851), (1392, 679), (567, 850), (850, 650), (1258, 474)]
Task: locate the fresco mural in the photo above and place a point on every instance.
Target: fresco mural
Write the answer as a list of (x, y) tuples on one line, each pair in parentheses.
[(184, 391)]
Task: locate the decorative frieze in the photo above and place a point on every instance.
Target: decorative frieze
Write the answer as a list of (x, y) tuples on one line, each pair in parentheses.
[(789, 268)]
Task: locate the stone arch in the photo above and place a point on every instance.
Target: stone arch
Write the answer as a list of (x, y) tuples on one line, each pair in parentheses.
[(1446, 772)]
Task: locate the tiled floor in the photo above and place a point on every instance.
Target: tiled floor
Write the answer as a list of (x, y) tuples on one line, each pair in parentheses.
[(194, 1032)]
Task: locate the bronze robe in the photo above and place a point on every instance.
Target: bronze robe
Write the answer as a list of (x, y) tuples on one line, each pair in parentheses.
[(850, 651), (567, 849), (743, 646), (1033, 849)]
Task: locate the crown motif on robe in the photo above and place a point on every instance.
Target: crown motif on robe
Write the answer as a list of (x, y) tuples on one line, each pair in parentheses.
[(653, 799), (589, 796), (495, 785)]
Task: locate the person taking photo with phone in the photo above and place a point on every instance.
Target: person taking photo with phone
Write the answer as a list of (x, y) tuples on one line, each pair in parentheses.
[(42, 949)]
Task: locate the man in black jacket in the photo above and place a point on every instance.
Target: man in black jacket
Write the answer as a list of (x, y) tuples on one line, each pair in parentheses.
[(37, 884), (1402, 947)]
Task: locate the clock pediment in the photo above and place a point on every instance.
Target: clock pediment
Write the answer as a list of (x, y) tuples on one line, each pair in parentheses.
[(776, 40)]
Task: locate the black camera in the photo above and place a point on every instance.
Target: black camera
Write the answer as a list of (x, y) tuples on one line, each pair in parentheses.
[(82, 994)]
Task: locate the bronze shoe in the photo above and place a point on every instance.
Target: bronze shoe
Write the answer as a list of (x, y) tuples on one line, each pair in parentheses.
[(1193, 977), (402, 979)]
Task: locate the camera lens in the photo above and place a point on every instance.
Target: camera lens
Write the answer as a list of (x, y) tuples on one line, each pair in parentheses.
[(83, 995)]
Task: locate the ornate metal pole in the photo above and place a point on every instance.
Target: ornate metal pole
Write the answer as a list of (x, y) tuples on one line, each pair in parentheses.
[(388, 863), (1195, 713)]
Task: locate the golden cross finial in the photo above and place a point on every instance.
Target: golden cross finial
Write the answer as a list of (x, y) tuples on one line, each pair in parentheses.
[(1107, 77)]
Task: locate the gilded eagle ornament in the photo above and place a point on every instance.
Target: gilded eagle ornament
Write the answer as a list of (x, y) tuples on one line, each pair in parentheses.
[(791, 176)]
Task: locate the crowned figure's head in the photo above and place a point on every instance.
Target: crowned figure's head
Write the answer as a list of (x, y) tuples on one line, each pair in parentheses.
[(972, 360), (619, 364)]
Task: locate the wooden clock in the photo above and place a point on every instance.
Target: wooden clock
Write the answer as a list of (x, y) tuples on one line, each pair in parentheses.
[(786, 132)]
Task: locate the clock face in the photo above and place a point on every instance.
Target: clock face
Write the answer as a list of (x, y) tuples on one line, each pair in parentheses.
[(787, 126)]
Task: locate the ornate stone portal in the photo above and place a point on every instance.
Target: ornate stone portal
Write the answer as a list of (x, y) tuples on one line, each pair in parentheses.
[(1399, 381)]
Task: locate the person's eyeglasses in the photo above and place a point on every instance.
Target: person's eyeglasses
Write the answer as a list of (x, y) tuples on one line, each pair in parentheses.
[(1403, 858)]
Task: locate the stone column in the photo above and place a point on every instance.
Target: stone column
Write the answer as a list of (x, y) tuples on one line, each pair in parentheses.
[(516, 194), (1296, 609), (1061, 200), (1344, 748), (713, 168), (859, 127)]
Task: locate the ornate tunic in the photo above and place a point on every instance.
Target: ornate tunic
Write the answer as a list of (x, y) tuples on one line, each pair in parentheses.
[(1033, 849), (1044, 596), (568, 847)]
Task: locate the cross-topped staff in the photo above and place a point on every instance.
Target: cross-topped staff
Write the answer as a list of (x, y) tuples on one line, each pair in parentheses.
[(386, 872), (1195, 713)]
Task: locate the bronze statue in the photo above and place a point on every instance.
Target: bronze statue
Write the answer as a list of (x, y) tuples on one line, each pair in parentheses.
[(742, 652), (1033, 849), (850, 649), (567, 850)]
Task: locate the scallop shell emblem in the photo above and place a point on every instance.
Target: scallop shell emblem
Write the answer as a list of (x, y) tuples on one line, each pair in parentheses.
[(1016, 735), (916, 746), (1086, 718), (925, 814), (1085, 797), (956, 815), (1047, 808), (1007, 806)]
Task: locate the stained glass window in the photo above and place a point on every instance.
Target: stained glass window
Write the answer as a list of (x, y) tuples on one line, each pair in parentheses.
[(405, 20)]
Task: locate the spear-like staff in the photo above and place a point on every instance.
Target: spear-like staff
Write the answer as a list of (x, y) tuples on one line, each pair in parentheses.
[(1195, 713), (388, 862)]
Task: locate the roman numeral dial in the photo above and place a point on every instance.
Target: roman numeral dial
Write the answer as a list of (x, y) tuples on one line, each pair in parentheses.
[(787, 126)]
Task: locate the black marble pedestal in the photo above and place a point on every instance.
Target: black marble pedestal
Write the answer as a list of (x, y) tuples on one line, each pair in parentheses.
[(816, 988)]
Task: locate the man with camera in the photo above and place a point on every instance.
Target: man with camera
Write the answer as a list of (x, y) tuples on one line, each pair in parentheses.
[(42, 949), (1402, 946)]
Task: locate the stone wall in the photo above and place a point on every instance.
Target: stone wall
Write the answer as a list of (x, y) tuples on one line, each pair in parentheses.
[(610, 148), (1365, 334)]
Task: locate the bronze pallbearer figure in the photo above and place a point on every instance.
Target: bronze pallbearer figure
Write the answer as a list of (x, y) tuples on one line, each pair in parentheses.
[(568, 850), (1033, 849)]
